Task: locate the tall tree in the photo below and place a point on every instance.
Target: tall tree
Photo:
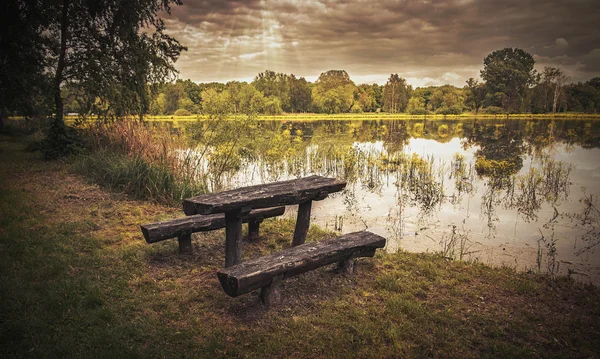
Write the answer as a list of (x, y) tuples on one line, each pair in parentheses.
[(555, 79), (300, 94), (22, 79), (509, 72), (112, 49), (333, 92), (395, 94), (275, 84)]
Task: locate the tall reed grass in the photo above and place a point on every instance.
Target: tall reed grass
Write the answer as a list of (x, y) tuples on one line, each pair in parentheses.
[(144, 160)]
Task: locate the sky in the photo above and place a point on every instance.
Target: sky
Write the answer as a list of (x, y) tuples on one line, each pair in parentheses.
[(426, 42)]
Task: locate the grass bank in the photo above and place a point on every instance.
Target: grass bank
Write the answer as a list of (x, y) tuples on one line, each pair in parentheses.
[(388, 116), (373, 116), (78, 280)]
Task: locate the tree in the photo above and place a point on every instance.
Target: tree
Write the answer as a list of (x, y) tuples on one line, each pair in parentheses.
[(555, 79), (215, 103), (333, 92), (275, 84), (395, 94), (416, 106), (475, 94), (112, 49), (300, 94), (366, 97), (245, 98), (582, 97), (174, 95), (509, 72), (446, 99), (23, 84)]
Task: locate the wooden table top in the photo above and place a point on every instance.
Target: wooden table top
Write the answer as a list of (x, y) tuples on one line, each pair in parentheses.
[(262, 196)]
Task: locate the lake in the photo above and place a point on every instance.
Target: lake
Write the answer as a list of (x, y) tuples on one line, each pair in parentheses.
[(519, 193)]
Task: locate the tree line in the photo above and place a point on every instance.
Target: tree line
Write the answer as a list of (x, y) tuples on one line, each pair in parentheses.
[(510, 84), (112, 59)]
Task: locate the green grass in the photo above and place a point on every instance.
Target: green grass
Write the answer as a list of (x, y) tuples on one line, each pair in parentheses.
[(78, 280)]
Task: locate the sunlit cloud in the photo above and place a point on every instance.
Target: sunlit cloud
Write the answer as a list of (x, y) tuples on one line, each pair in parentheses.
[(428, 43)]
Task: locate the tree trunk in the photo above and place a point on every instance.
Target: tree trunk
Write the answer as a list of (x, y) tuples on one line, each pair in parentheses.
[(556, 97), (2, 117), (58, 77)]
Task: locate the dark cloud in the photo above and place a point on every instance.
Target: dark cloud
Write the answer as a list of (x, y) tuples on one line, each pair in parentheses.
[(428, 42)]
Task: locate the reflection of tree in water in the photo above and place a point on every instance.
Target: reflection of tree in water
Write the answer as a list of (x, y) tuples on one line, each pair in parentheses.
[(371, 155), (500, 148)]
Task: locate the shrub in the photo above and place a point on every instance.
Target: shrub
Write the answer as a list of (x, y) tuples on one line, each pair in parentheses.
[(452, 110), (182, 112), (60, 141), (356, 108), (493, 110), (418, 111)]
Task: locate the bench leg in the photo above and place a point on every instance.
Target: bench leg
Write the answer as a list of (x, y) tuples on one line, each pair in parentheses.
[(233, 236), (270, 294), (346, 266), (253, 230), (185, 244), (302, 223)]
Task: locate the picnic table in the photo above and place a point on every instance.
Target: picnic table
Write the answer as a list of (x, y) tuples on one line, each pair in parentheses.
[(238, 202)]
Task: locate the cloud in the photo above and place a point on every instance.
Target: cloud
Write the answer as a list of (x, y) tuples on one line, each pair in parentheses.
[(561, 43), (427, 42)]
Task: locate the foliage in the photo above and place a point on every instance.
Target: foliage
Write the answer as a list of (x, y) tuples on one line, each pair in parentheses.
[(182, 112), (108, 50), (24, 87), (60, 141), (583, 97), (493, 110), (475, 94), (416, 106), (216, 103), (396, 94), (509, 72), (368, 97), (333, 92)]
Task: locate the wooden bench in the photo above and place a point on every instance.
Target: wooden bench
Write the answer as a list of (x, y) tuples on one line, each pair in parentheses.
[(268, 271), (182, 228)]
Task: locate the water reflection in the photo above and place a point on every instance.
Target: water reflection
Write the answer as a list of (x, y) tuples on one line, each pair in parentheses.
[(518, 193)]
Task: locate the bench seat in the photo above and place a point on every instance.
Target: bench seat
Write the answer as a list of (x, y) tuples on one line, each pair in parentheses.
[(184, 227), (265, 272)]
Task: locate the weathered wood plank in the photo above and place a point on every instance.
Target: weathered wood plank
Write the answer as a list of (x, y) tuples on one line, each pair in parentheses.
[(233, 237), (266, 195), (302, 223), (159, 231), (260, 272)]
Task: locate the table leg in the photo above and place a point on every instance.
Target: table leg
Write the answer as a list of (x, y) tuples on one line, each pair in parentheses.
[(185, 244), (302, 223), (253, 230), (233, 237)]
